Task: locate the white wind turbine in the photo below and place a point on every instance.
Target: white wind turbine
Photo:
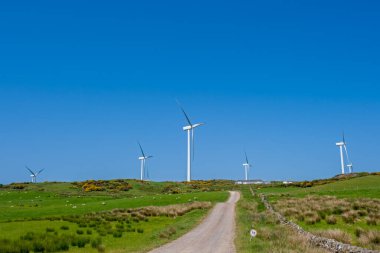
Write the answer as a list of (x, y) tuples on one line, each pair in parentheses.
[(342, 145), (246, 166), (33, 175), (142, 158), (190, 141)]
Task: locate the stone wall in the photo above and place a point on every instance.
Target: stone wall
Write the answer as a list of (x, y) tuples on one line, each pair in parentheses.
[(329, 244)]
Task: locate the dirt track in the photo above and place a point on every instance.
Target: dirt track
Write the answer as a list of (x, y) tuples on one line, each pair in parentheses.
[(214, 235)]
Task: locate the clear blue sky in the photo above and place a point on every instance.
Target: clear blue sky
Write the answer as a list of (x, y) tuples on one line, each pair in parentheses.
[(82, 81)]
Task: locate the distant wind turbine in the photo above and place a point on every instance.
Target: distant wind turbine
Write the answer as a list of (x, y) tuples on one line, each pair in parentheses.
[(142, 158), (246, 166), (33, 175), (190, 141)]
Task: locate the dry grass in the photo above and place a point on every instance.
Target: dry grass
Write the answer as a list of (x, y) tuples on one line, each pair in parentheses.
[(313, 209), (369, 239), (335, 234), (171, 210), (347, 212)]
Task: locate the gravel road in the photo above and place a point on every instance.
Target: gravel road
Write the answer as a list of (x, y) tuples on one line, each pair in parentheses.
[(214, 235)]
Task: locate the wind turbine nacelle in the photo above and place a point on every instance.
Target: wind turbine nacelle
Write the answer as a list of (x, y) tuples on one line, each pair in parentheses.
[(185, 128), (141, 158), (340, 143)]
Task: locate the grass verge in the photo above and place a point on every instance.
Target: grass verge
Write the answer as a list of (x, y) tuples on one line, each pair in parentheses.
[(271, 236)]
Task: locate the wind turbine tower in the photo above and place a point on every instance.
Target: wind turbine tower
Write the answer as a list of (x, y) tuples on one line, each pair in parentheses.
[(190, 141), (142, 158), (246, 166), (340, 145), (350, 168)]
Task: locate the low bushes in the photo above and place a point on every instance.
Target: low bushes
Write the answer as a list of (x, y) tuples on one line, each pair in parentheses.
[(313, 209), (39, 242), (167, 233), (368, 238), (331, 220), (104, 185), (335, 234)]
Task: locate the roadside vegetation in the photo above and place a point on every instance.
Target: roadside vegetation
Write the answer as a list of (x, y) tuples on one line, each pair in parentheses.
[(271, 236), (345, 208), (102, 216)]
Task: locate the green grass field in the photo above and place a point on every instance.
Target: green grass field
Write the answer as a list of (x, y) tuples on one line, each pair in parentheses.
[(42, 208)]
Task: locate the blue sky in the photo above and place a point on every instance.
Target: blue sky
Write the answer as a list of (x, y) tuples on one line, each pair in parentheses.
[(82, 81)]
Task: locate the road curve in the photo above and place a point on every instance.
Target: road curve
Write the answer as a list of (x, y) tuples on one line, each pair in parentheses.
[(214, 235)]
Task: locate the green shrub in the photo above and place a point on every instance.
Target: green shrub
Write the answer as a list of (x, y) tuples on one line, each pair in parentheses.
[(79, 232), (95, 243), (359, 232), (337, 210), (28, 236), (63, 245), (101, 248), (50, 229), (82, 242), (331, 220), (64, 227), (82, 225), (102, 232), (117, 234), (322, 214), (38, 246)]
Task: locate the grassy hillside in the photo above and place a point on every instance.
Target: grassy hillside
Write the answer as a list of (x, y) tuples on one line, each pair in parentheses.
[(359, 187), (95, 216)]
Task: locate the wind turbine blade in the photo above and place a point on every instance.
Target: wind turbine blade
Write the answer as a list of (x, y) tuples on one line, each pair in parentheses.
[(246, 157), (142, 151), (30, 170), (192, 142), (344, 141), (39, 172), (187, 117), (345, 149)]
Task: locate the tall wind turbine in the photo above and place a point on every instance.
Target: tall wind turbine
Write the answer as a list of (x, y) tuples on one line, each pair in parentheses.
[(33, 175), (190, 141), (341, 144), (246, 166), (142, 158)]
